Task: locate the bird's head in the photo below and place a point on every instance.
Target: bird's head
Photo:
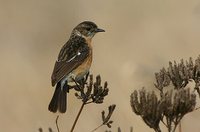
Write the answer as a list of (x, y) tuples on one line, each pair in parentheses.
[(87, 29)]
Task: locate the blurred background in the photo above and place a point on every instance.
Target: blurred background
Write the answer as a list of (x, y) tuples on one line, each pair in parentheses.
[(141, 37)]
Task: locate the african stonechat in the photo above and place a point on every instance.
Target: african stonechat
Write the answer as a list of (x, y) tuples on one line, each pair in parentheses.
[(73, 63)]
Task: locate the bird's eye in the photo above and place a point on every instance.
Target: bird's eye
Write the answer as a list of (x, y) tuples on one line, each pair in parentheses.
[(88, 28)]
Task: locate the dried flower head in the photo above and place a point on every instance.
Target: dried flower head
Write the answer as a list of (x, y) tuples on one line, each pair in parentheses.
[(162, 79), (173, 104), (177, 105), (147, 105), (93, 91), (179, 74), (106, 119), (49, 129)]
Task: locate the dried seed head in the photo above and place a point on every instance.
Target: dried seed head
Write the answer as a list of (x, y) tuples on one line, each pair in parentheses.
[(172, 106), (91, 90), (179, 74), (106, 119), (148, 107)]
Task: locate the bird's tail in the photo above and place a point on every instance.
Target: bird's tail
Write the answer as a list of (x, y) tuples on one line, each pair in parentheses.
[(59, 99)]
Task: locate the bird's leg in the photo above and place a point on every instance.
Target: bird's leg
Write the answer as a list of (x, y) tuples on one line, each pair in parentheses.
[(79, 83), (83, 81), (77, 87), (72, 86), (68, 87), (86, 77)]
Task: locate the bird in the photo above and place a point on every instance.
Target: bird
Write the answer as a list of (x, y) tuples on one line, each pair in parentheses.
[(73, 63)]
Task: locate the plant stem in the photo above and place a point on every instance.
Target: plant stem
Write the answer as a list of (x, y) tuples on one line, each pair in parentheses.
[(164, 123), (180, 130), (157, 129), (175, 125), (97, 128), (57, 123), (77, 117)]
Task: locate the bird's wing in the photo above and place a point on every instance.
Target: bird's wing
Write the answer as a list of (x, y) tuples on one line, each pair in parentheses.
[(70, 57)]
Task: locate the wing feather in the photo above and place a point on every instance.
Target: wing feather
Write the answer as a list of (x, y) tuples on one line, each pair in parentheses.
[(71, 56)]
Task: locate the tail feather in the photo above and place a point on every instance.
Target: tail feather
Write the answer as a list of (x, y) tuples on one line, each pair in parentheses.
[(59, 99), (63, 103)]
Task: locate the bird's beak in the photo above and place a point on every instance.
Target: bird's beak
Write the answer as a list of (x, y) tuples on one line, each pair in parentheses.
[(99, 30)]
